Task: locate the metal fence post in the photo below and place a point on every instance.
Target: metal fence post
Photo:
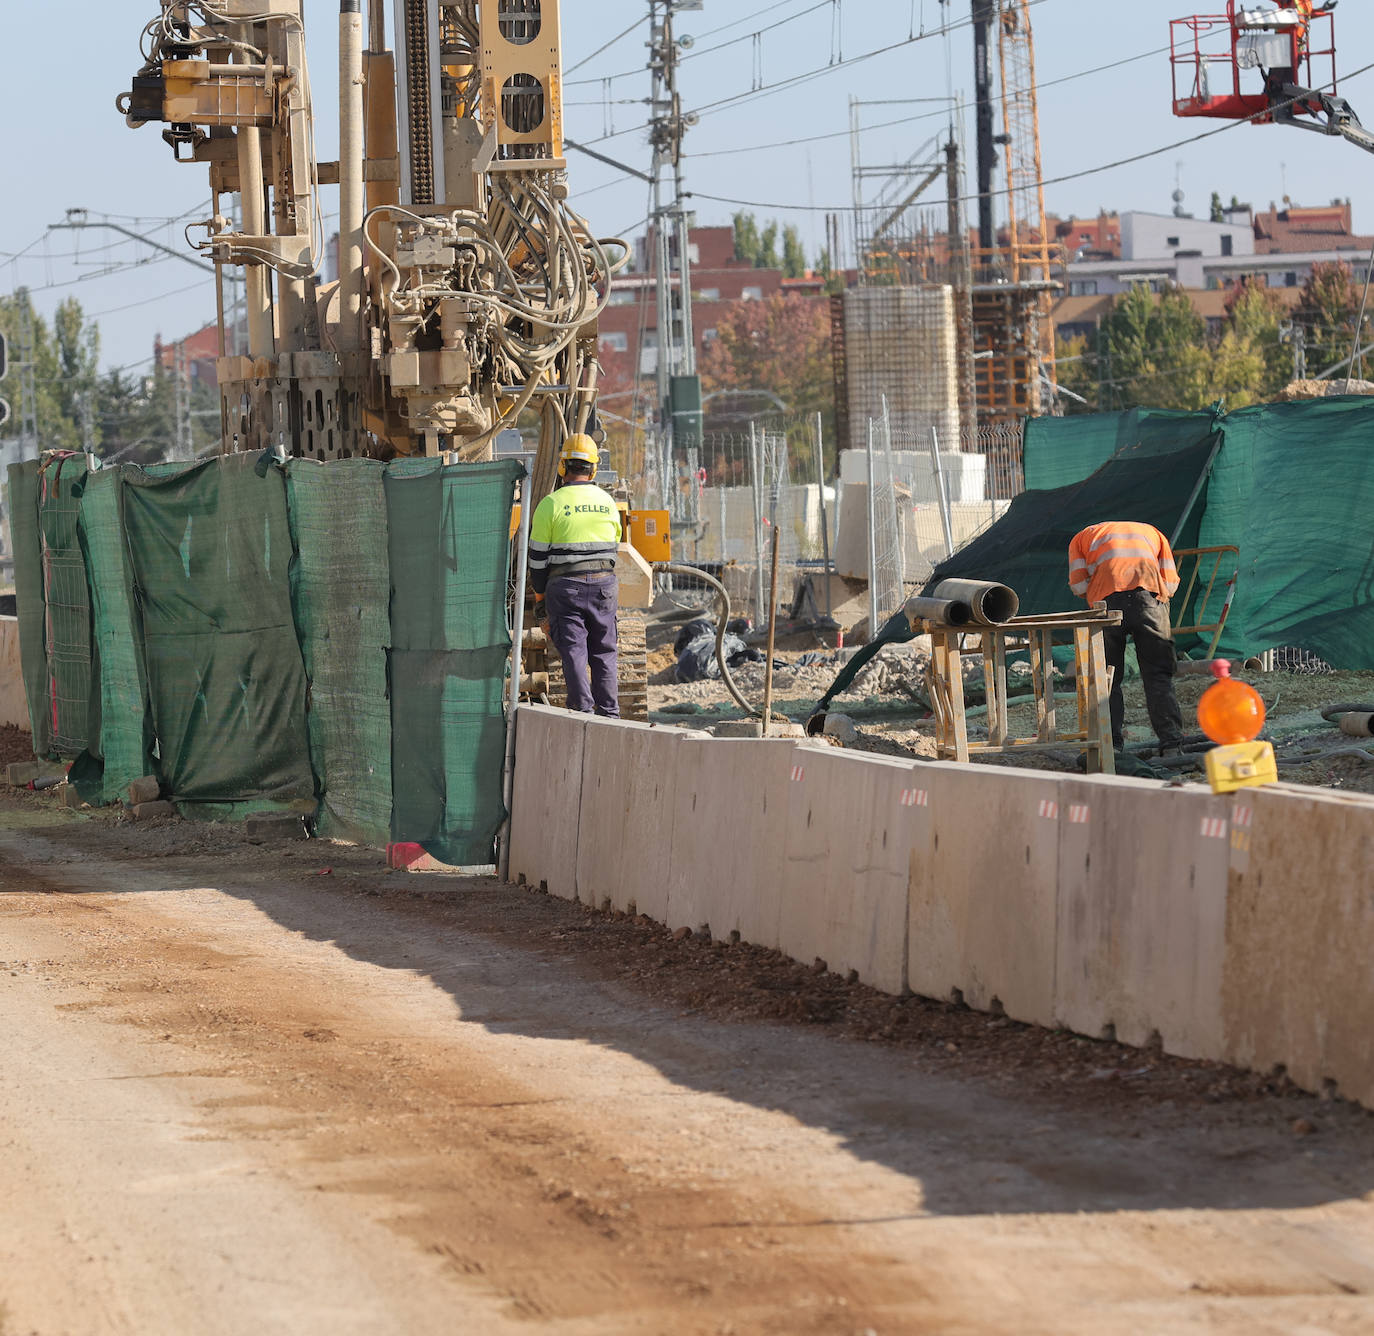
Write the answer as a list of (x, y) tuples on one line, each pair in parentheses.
[(757, 484), (872, 541), (942, 492), (820, 496)]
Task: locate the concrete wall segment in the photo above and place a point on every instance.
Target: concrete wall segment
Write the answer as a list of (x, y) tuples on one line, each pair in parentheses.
[(1298, 984), (14, 707), (850, 836), (729, 837), (547, 800), (629, 798), (983, 901), (1142, 912)]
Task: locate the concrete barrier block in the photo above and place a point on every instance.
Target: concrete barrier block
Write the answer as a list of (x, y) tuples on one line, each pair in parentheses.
[(629, 792), (983, 898), (852, 824), (729, 837), (14, 707), (1297, 988), (547, 799), (1142, 912)]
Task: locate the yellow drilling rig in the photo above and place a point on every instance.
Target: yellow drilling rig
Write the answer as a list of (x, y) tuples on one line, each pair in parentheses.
[(468, 289)]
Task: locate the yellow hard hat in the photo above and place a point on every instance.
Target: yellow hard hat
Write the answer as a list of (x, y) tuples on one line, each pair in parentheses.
[(580, 447)]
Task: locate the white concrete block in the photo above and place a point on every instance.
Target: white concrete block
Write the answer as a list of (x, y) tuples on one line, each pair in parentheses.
[(1142, 912), (852, 823), (729, 837), (14, 707), (1298, 987), (629, 791), (547, 800), (983, 900)]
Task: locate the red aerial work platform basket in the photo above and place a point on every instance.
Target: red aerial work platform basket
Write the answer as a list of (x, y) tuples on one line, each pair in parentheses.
[(1232, 65)]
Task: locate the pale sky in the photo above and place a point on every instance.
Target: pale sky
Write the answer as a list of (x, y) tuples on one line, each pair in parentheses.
[(67, 147)]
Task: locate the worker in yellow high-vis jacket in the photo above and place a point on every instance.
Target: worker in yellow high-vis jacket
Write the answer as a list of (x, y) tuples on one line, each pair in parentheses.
[(1130, 567), (573, 539)]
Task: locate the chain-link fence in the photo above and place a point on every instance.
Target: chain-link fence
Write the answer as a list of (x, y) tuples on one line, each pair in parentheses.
[(929, 497)]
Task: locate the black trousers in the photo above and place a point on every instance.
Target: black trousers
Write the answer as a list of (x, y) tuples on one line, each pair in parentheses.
[(1145, 620)]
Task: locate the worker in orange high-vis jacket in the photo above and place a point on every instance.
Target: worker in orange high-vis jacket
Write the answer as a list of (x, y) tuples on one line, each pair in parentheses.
[(1129, 566)]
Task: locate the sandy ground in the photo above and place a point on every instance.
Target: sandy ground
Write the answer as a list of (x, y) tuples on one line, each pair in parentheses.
[(271, 1088)]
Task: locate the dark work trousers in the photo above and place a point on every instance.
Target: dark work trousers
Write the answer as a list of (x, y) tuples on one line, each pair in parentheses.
[(1145, 619), (582, 626)]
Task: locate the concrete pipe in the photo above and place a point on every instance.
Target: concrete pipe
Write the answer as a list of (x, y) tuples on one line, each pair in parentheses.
[(991, 603), (1357, 725), (945, 611)]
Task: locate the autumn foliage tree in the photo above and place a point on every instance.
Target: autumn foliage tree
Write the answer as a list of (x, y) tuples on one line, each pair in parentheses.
[(780, 345)]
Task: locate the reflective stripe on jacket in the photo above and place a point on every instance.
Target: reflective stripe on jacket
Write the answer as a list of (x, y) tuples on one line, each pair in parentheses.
[(574, 524), (1120, 555)]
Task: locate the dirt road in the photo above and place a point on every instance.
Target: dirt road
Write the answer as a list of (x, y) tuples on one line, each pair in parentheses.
[(243, 1094)]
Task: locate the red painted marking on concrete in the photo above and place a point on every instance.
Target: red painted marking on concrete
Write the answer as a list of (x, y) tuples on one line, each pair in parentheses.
[(798, 773), (1244, 815), (1214, 827), (1049, 809), (915, 798), (1079, 814)]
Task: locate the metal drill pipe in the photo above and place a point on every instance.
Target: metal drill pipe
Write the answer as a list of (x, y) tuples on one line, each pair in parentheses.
[(352, 199)]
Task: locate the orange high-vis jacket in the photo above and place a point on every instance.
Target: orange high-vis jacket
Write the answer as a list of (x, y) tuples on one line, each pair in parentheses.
[(1120, 555)]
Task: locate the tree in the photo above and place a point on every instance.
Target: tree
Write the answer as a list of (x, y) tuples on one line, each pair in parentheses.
[(1326, 308), (1217, 212), (64, 361), (781, 345), (1155, 351), (766, 257), (1254, 314), (746, 237), (793, 255)]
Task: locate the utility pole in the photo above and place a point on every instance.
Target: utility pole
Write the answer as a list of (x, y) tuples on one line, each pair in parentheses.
[(984, 13), (28, 385), (679, 387), (182, 448)]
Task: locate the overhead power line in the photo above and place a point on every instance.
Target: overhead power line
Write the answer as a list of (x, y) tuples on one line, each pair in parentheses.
[(795, 80), (606, 46), (1045, 181)]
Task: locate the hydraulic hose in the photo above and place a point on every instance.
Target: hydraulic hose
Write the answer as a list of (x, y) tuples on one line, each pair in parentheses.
[(672, 567)]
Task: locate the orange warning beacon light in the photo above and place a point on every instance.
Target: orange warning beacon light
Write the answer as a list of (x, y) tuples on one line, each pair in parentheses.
[(1230, 711)]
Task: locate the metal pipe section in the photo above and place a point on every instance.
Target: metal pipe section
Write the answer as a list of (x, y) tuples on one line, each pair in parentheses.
[(944, 611), (253, 208), (352, 199), (991, 603), (522, 563)]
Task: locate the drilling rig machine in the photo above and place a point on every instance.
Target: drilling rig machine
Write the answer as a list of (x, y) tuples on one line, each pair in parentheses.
[(468, 289)]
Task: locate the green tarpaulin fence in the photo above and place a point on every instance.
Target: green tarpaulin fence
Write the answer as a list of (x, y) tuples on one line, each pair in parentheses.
[(325, 638), (1291, 485)]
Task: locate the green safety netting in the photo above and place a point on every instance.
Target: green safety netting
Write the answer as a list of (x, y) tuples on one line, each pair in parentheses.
[(28, 591), (264, 637), (1292, 486), (1028, 547), (340, 594), (449, 557), (122, 738), (209, 553)]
